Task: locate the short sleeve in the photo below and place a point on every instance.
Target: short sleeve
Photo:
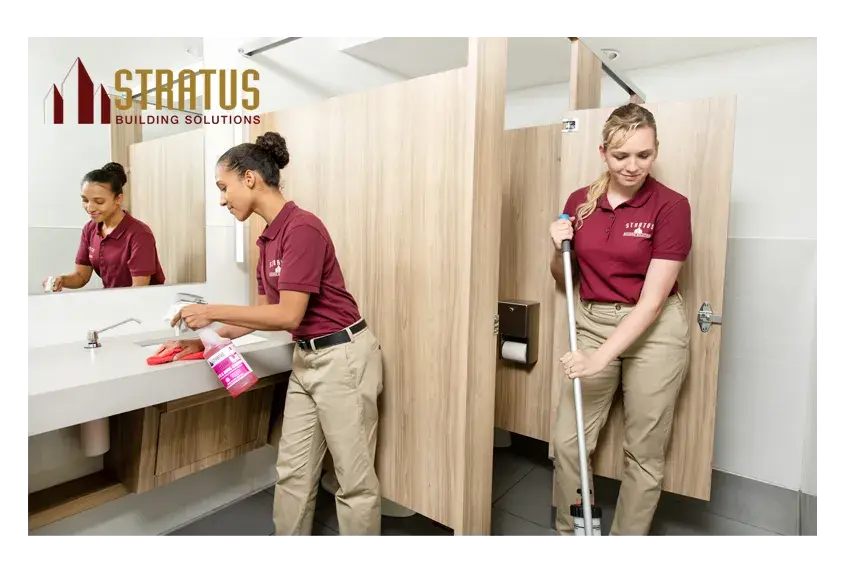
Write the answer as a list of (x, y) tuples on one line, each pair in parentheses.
[(672, 239), (82, 252), (142, 255), (304, 253), (575, 199), (259, 282), (571, 205)]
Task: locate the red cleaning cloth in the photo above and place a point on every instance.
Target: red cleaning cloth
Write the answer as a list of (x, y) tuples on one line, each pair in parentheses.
[(167, 358)]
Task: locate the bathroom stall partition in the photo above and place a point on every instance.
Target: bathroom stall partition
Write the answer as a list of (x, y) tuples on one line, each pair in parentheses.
[(530, 195), (407, 179), (545, 165)]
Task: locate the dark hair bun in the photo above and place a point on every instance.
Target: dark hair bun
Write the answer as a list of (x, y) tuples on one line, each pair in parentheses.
[(274, 145), (117, 170)]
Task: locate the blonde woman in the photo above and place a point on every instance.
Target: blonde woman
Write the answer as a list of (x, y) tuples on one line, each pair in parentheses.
[(630, 238)]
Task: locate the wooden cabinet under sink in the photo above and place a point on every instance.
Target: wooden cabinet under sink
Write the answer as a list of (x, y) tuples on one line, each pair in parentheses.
[(153, 446), (157, 445)]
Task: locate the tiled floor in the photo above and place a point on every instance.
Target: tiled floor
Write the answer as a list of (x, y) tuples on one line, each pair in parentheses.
[(522, 489)]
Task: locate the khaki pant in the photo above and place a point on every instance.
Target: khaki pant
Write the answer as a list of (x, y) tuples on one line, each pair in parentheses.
[(651, 371), (331, 401)]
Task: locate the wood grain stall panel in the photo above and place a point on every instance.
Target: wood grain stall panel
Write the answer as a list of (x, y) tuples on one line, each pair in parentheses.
[(169, 195), (529, 205), (696, 160), (404, 179)]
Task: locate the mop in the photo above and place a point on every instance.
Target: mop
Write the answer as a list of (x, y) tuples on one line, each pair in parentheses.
[(586, 493)]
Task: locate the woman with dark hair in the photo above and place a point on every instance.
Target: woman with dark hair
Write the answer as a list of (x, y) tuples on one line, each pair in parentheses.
[(337, 364), (115, 245)]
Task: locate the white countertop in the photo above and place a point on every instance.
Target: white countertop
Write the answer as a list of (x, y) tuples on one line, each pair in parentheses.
[(69, 384)]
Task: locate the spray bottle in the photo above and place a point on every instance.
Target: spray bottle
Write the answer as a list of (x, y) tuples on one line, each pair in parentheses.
[(231, 369), (577, 512)]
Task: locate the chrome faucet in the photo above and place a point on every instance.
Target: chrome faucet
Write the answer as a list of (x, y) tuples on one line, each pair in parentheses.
[(190, 298), (94, 335)]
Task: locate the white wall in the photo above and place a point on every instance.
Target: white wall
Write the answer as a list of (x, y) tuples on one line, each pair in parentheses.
[(771, 273), (812, 481)]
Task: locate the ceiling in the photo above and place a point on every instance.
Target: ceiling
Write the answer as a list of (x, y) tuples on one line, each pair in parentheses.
[(537, 61), (535, 58)]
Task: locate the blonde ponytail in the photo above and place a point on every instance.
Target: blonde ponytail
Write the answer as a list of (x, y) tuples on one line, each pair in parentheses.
[(594, 192)]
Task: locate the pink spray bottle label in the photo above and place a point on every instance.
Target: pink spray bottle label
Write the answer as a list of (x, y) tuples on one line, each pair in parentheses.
[(229, 366)]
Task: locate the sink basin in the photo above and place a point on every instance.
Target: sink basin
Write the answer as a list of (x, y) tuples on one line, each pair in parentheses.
[(242, 341)]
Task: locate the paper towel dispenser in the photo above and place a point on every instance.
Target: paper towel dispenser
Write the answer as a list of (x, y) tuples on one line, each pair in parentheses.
[(519, 330)]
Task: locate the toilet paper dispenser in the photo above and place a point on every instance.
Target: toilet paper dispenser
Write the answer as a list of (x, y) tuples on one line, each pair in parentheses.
[(519, 331)]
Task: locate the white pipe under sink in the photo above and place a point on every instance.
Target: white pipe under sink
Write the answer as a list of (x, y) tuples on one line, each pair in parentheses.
[(94, 437)]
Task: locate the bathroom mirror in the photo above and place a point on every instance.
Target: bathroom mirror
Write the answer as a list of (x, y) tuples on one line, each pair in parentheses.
[(86, 110)]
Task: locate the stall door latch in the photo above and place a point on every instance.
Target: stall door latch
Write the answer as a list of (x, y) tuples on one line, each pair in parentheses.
[(707, 317)]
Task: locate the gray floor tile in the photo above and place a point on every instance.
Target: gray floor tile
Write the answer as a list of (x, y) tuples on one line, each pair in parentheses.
[(326, 512), (508, 469), (252, 516), (691, 522), (506, 524), (522, 489), (416, 525), (531, 498), (756, 503)]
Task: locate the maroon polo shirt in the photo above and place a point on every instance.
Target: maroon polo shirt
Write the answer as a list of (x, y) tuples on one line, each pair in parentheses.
[(296, 253), (128, 251), (613, 247)]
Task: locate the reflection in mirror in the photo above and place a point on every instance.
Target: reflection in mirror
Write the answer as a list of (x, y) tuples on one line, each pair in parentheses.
[(116, 246), (119, 203)]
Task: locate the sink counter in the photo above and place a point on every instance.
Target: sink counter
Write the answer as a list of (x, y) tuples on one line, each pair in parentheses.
[(70, 384)]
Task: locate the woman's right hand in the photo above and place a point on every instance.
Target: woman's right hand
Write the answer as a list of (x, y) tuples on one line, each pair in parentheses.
[(560, 231), (58, 283), (187, 346)]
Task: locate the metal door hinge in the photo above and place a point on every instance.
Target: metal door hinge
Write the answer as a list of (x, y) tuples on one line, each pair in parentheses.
[(496, 324), (707, 317)]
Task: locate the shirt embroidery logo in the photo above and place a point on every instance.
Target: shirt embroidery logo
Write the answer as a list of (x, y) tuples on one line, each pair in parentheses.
[(639, 230), (275, 268)]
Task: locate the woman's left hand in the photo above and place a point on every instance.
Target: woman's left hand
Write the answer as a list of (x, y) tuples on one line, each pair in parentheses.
[(195, 316), (581, 364)]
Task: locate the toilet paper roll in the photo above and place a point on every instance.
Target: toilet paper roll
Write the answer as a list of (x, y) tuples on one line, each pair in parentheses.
[(515, 351)]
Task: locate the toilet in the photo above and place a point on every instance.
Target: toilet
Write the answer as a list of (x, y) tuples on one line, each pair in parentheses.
[(501, 438)]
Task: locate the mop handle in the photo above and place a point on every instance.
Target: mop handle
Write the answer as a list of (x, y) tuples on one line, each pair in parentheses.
[(587, 504)]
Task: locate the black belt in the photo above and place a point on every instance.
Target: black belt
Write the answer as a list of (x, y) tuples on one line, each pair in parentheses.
[(333, 339)]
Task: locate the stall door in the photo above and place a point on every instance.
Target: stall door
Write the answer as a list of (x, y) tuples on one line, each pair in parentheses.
[(696, 160)]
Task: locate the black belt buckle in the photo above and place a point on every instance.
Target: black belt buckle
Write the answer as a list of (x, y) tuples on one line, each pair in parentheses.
[(333, 339)]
